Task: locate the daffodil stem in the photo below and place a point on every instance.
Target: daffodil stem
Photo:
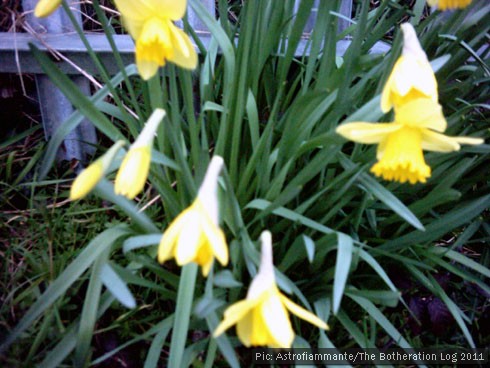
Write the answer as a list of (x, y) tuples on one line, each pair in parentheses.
[(185, 297)]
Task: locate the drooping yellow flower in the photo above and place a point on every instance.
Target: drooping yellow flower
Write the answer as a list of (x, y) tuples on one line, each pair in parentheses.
[(46, 7), (418, 125), (412, 76), (157, 39), (89, 177), (195, 235), (262, 318), (449, 4), (132, 174)]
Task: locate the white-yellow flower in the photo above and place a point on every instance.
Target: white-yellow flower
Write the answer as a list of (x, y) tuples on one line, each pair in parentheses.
[(418, 126), (449, 4), (46, 7), (262, 319), (195, 235), (150, 23), (412, 76), (132, 174), (89, 177)]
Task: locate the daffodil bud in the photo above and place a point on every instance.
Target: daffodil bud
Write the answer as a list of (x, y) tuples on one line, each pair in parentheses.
[(132, 174), (46, 7), (449, 4), (89, 177)]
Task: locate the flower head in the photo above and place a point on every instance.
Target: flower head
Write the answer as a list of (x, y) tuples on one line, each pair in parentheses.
[(132, 174), (417, 127), (157, 39), (195, 235), (46, 7), (449, 4), (89, 177), (412, 76), (262, 319)]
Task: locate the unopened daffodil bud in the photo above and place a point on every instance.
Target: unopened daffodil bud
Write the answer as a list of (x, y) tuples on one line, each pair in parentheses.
[(46, 7), (89, 177), (195, 235), (132, 174), (262, 318)]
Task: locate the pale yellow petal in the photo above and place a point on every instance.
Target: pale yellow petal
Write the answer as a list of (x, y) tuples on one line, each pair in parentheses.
[(46, 7), (303, 313), (189, 238), (136, 10), (422, 113), (367, 133), (184, 54), (217, 242), (277, 322), (244, 328), (232, 315), (171, 9), (169, 239), (132, 174), (432, 141)]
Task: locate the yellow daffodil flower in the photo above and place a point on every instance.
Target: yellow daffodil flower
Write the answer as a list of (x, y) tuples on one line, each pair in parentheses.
[(418, 125), (89, 177), (412, 76), (132, 174), (195, 235), (46, 7), (449, 4), (157, 39), (262, 319)]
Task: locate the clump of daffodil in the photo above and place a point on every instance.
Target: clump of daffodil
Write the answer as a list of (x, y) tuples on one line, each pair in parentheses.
[(449, 4), (150, 23), (412, 76), (195, 235), (90, 176), (418, 126), (132, 174), (412, 90), (262, 318), (46, 7)]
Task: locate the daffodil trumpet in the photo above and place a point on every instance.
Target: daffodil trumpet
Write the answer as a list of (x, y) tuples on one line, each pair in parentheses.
[(134, 169), (195, 235), (46, 7), (262, 318), (418, 126), (90, 176), (157, 39)]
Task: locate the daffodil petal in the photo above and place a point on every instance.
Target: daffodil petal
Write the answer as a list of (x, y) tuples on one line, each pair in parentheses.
[(189, 239), (233, 314), (303, 313), (422, 113), (277, 323), (171, 9), (147, 69), (135, 10), (132, 174), (367, 133), (244, 329), (169, 239), (432, 141), (217, 242), (184, 54)]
